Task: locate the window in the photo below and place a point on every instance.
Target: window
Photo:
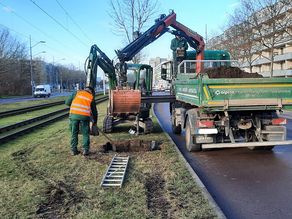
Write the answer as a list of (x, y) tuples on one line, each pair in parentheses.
[(131, 77)]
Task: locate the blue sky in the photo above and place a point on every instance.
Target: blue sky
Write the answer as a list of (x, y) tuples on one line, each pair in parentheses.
[(24, 18)]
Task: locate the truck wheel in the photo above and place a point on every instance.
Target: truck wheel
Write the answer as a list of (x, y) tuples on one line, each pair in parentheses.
[(108, 124), (176, 129), (148, 126), (190, 145)]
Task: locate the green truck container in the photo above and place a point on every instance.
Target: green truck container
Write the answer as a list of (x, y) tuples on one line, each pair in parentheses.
[(228, 112), (209, 55)]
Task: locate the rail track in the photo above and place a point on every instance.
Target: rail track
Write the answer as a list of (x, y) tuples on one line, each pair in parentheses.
[(13, 131), (33, 108), (29, 109)]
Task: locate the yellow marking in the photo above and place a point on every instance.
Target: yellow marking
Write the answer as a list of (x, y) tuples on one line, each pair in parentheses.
[(215, 102), (287, 101), (251, 86), (206, 92)]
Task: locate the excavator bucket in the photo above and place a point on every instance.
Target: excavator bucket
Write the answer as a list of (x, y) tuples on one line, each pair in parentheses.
[(125, 101)]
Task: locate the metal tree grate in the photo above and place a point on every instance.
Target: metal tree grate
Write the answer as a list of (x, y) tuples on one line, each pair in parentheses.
[(115, 173)]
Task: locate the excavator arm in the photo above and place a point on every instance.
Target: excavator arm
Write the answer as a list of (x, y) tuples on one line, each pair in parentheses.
[(161, 26), (98, 58)]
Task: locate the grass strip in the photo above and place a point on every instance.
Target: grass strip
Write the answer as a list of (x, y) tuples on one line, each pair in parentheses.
[(40, 179), (12, 106), (29, 115)]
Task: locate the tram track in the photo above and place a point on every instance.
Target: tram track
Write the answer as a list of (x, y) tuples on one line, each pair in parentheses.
[(17, 129), (19, 111)]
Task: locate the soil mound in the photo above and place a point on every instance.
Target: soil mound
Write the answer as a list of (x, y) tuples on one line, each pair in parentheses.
[(230, 72), (131, 146)]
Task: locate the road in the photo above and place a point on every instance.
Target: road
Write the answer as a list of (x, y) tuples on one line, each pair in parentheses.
[(29, 98), (244, 183)]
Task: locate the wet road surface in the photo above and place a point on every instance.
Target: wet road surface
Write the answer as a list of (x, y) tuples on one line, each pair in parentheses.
[(244, 183)]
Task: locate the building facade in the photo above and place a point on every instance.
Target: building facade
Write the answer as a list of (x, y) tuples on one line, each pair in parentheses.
[(264, 46), (158, 83)]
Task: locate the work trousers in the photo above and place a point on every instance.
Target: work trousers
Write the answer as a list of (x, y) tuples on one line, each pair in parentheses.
[(74, 128)]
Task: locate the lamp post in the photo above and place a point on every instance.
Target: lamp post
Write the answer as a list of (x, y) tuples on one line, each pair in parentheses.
[(61, 77), (30, 51), (39, 53), (60, 87)]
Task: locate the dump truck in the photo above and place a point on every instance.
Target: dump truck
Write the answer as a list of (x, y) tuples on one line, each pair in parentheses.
[(222, 112)]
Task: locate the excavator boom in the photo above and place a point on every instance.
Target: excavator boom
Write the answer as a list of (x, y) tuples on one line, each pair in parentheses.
[(98, 58), (161, 26)]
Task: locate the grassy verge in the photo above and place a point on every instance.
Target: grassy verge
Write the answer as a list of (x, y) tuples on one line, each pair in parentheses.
[(29, 115), (40, 179), (23, 104), (17, 105), (12, 96)]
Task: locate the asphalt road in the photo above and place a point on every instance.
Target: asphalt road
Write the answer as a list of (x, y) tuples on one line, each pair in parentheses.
[(29, 98), (244, 183)]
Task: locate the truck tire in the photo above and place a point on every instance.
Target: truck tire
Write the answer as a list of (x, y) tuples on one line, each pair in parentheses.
[(108, 124), (176, 129), (190, 145)]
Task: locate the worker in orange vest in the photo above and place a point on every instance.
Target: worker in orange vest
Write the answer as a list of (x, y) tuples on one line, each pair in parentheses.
[(82, 109)]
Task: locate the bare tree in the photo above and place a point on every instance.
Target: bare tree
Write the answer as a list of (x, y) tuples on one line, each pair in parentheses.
[(13, 74), (268, 22), (130, 17), (242, 41), (288, 17)]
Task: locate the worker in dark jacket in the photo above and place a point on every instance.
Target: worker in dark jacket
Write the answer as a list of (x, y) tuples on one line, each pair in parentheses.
[(179, 47), (82, 109)]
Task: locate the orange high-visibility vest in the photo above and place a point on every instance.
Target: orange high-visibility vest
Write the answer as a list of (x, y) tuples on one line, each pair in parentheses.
[(81, 103)]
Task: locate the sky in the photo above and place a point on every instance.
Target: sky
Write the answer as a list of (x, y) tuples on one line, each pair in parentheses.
[(68, 41)]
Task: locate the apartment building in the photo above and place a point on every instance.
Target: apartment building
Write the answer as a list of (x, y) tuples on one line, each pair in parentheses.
[(265, 49)]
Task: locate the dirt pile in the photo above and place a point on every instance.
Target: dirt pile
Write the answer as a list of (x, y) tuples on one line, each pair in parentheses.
[(131, 146), (230, 72)]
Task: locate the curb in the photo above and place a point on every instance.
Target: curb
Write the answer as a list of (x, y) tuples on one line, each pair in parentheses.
[(205, 192)]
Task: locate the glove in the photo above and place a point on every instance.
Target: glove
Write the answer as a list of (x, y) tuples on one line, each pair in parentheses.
[(94, 130)]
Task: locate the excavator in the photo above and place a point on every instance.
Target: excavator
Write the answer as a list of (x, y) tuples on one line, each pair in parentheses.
[(130, 86), (124, 93)]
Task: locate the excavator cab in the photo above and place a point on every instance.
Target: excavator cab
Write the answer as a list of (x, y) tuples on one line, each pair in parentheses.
[(139, 77)]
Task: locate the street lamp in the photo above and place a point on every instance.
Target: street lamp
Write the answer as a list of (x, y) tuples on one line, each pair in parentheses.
[(59, 87), (39, 53), (30, 51)]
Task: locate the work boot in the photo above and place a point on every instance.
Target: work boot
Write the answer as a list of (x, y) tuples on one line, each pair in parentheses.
[(85, 152), (74, 153)]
